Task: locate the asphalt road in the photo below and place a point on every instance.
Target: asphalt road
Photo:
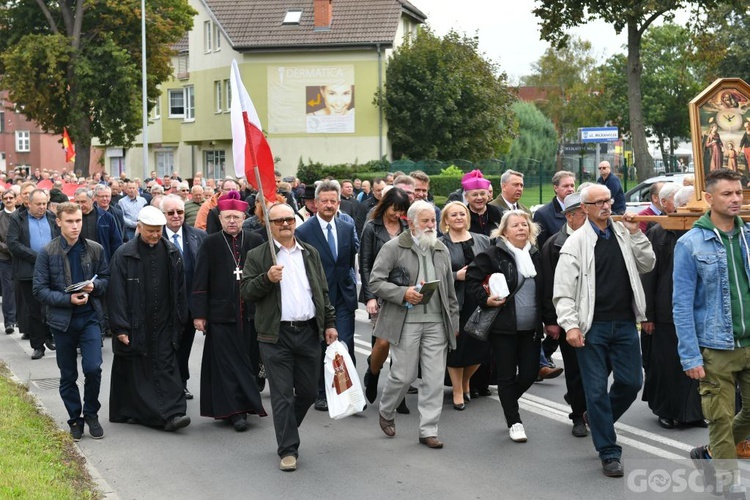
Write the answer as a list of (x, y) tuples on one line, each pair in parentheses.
[(352, 458)]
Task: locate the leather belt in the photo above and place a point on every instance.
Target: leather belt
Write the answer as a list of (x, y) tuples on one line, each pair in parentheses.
[(299, 325)]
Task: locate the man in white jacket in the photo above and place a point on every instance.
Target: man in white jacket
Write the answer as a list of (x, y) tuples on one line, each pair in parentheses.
[(599, 314)]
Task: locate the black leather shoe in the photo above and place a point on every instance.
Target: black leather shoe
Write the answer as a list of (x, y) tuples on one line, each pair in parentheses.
[(667, 423), (485, 391), (698, 423), (50, 344), (188, 394), (239, 421), (177, 422), (612, 467), (38, 354), (402, 408), (467, 397), (579, 429), (321, 404), (459, 407), (473, 393), (10, 328), (24, 336)]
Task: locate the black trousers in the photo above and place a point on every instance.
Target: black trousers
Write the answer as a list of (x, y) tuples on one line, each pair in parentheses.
[(186, 346), (575, 396), (517, 361), (37, 328), (292, 368)]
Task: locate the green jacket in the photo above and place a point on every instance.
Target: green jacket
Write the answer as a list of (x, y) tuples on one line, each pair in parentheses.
[(258, 289)]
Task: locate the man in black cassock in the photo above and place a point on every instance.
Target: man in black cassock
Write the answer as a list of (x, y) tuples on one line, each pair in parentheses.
[(230, 352), (147, 307)]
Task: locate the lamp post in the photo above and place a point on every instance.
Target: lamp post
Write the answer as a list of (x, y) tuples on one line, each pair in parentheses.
[(145, 89)]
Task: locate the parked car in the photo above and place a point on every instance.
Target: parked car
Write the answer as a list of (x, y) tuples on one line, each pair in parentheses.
[(638, 197)]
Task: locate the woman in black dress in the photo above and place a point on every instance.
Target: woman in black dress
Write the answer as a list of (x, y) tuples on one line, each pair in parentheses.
[(463, 247)]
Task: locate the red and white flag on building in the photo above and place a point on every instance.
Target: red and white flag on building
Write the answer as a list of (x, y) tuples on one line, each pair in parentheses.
[(249, 145), (70, 150)]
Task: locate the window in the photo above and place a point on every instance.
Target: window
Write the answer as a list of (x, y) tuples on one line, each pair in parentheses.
[(292, 17), (217, 37), (189, 103), (2, 121), (215, 164), (156, 110), (164, 163), (218, 96), (207, 36), (228, 102), (23, 141), (176, 103)]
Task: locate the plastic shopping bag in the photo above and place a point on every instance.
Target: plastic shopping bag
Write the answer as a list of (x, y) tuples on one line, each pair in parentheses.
[(343, 390)]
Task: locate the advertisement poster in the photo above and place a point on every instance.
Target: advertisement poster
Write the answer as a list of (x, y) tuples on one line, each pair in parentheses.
[(311, 99)]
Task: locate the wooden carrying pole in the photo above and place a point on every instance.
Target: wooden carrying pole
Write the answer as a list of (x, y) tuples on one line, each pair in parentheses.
[(265, 214)]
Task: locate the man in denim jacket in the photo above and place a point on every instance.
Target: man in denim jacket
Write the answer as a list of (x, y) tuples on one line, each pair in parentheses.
[(712, 316)]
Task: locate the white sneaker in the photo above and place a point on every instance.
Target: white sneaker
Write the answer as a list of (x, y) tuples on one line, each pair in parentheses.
[(517, 433)]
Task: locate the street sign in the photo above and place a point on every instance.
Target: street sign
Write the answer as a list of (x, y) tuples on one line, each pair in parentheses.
[(598, 134), (575, 148)]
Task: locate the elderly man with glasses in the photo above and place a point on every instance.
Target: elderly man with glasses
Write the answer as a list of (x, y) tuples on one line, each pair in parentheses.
[(6, 263), (293, 314)]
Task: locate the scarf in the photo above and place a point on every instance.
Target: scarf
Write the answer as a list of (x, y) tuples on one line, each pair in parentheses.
[(523, 259)]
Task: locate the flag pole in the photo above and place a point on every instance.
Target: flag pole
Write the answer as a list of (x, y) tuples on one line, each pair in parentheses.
[(265, 213)]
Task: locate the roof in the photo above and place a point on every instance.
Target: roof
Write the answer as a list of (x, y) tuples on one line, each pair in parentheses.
[(257, 24)]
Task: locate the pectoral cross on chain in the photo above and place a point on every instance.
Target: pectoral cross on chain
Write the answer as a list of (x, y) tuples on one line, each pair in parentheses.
[(238, 273)]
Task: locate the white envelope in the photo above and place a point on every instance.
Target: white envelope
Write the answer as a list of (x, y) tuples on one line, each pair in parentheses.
[(498, 285)]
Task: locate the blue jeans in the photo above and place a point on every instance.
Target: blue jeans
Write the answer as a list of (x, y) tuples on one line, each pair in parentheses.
[(615, 344), (83, 332), (9, 294)]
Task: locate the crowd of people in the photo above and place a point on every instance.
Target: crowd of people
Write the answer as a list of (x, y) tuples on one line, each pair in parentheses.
[(149, 264)]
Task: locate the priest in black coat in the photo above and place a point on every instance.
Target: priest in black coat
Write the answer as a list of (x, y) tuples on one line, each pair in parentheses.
[(230, 353)]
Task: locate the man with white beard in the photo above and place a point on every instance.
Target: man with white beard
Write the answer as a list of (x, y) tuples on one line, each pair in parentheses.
[(419, 333)]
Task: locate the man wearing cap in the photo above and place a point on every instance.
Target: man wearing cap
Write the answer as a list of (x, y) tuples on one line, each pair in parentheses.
[(308, 199), (147, 309), (575, 397), (485, 218), (230, 352)]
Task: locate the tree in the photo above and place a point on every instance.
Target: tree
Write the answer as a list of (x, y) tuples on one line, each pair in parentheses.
[(537, 140), (443, 100), (569, 78), (76, 64), (633, 16), (722, 42)]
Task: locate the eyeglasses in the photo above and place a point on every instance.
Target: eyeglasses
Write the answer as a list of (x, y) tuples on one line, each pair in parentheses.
[(281, 220), (600, 203), (9, 197), (178, 212)]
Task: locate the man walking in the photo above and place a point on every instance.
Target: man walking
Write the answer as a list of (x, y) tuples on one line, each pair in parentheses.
[(28, 232), (711, 311), (598, 312), (419, 335), (293, 314), (337, 244), (6, 262), (131, 206), (612, 182), (75, 317), (147, 308)]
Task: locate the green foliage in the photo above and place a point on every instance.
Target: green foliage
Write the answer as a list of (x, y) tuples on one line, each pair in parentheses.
[(312, 171), (80, 67), (443, 185), (723, 47), (536, 141), (452, 170), (613, 75), (443, 100), (570, 81)]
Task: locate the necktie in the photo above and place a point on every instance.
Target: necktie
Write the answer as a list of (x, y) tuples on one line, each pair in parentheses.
[(331, 242), (176, 239)]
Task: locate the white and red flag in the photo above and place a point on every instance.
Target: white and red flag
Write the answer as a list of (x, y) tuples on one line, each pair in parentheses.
[(249, 145)]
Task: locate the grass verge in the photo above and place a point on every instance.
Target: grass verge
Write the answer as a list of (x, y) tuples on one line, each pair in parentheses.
[(37, 460)]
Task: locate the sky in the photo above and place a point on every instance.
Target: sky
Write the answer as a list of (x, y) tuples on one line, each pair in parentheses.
[(509, 32)]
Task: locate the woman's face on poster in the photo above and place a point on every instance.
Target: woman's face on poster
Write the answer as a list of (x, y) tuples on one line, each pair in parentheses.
[(338, 98)]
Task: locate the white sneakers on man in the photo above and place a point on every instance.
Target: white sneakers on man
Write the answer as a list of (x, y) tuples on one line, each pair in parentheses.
[(517, 433)]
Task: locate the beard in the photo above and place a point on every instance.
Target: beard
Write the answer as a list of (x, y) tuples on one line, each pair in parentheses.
[(426, 238)]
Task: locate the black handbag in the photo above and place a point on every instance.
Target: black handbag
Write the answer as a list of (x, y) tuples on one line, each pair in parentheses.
[(480, 321)]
